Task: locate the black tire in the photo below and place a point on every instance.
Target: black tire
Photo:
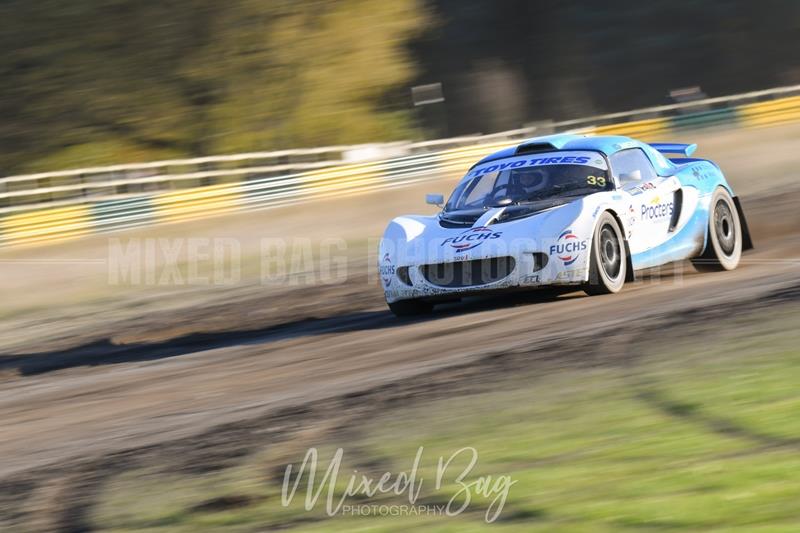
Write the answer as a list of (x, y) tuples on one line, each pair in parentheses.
[(724, 241), (608, 263), (410, 307)]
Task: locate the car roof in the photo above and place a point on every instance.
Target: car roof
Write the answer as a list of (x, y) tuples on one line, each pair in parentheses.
[(606, 144)]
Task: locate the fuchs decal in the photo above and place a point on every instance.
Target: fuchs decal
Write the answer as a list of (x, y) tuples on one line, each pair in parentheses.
[(568, 248), (387, 270), (471, 238)]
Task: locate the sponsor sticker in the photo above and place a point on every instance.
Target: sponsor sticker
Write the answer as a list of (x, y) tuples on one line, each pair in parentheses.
[(657, 209), (555, 158), (569, 275), (639, 189), (387, 269), (700, 174), (631, 219), (568, 248), (472, 238)]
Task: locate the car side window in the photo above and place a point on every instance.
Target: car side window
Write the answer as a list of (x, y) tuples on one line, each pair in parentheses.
[(632, 167)]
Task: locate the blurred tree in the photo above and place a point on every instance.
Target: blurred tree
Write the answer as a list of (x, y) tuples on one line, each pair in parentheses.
[(573, 58), (106, 81), (96, 82)]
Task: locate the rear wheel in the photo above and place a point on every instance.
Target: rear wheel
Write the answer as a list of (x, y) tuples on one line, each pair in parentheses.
[(410, 307), (724, 247), (608, 264)]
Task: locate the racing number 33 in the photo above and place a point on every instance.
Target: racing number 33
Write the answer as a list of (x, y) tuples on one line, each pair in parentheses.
[(597, 181)]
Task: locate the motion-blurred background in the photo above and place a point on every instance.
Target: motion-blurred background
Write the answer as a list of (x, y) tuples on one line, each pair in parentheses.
[(90, 82), (154, 375)]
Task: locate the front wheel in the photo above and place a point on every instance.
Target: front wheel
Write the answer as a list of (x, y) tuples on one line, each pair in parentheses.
[(410, 307), (724, 241), (608, 264)]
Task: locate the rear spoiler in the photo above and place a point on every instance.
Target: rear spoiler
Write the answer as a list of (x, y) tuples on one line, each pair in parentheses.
[(675, 148)]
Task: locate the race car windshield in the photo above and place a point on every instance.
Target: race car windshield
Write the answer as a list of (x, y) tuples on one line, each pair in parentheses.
[(514, 186)]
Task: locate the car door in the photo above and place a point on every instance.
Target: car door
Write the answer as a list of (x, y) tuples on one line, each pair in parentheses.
[(652, 199)]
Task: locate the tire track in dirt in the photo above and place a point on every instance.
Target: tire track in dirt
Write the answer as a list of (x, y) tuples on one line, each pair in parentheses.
[(65, 493)]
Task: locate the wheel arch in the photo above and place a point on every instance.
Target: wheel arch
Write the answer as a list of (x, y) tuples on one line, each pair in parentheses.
[(629, 273), (747, 240)]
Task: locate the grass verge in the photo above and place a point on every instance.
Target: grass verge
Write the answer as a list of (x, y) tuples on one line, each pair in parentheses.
[(695, 431)]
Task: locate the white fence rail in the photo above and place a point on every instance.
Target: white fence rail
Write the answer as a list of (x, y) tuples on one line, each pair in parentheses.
[(86, 185), (54, 206)]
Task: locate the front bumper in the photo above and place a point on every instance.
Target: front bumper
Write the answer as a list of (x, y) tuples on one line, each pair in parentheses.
[(474, 276)]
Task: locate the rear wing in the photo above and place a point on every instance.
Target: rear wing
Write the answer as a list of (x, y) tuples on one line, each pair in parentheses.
[(675, 148)]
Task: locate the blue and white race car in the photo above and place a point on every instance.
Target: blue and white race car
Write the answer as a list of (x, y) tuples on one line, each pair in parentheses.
[(564, 209)]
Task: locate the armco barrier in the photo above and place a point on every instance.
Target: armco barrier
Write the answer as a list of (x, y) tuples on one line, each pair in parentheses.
[(770, 113), (646, 130), (126, 202), (191, 203), (704, 119), (47, 225), (118, 182)]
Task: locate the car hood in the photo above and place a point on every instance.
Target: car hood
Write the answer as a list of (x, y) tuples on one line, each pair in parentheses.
[(423, 239), (468, 217)]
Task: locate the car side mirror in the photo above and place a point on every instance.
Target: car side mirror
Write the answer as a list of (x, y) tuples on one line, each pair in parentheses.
[(634, 175), (434, 199)]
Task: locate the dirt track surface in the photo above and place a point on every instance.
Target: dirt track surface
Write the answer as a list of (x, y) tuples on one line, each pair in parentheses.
[(213, 369), (100, 397)]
